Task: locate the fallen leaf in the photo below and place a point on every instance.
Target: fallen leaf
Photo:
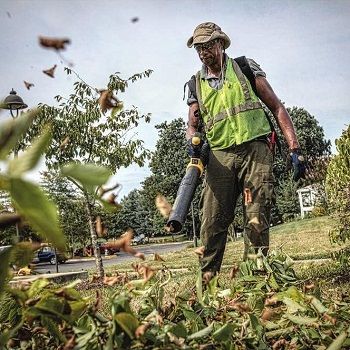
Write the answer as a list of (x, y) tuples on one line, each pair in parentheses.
[(112, 280), (234, 271), (200, 252), (50, 72), (141, 330), (70, 344), (28, 85), (53, 43), (330, 318), (279, 344), (267, 314), (271, 301), (238, 306), (24, 271), (163, 206), (157, 257)]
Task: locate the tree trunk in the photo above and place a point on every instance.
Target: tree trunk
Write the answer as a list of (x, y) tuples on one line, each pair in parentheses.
[(97, 253)]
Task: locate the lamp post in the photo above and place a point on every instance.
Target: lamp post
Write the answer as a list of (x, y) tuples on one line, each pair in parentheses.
[(14, 103)]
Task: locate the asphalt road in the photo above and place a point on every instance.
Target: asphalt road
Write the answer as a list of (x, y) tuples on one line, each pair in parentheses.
[(85, 264)]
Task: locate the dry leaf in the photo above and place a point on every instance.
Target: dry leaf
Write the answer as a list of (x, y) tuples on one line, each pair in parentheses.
[(24, 271), (234, 271), (53, 43), (141, 330), (200, 252), (267, 314), (163, 206), (157, 257), (207, 276), (108, 101), (64, 143), (111, 198), (50, 72), (240, 307), (330, 318), (99, 228), (70, 344), (28, 85), (112, 280), (144, 270), (279, 344), (271, 301)]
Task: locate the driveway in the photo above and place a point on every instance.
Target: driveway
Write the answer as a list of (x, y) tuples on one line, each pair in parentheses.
[(89, 263)]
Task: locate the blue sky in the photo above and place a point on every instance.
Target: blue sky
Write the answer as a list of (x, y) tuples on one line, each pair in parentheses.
[(304, 47)]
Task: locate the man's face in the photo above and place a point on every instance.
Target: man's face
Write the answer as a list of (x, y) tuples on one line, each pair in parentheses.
[(209, 52)]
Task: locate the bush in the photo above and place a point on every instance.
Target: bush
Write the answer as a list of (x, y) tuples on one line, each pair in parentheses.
[(338, 192)]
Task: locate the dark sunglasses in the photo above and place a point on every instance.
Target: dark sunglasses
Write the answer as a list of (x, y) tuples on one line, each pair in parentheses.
[(205, 46)]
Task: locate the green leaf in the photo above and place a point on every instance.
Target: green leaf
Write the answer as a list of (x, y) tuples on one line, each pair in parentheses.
[(37, 286), (301, 320), (30, 158), (339, 340), (89, 175), (128, 323), (11, 131), (202, 333), (199, 287), (224, 333), (5, 255), (41, 213), (179, 330)]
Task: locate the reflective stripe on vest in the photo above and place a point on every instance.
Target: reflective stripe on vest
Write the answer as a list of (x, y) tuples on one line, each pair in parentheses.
[(232, 114)]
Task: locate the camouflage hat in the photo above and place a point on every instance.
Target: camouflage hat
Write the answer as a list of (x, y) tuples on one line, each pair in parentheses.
[(206, 32)]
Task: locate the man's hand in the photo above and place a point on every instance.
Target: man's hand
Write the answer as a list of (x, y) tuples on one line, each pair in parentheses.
[(194, 145), (297, 162)]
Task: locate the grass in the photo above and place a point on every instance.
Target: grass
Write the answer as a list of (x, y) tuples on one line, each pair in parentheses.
[(303, 240)]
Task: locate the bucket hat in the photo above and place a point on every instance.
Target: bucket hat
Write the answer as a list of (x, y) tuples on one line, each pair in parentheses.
[(208, 31)]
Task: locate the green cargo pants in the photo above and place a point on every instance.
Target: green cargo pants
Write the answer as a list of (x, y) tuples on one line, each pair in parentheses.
[(244, 169)]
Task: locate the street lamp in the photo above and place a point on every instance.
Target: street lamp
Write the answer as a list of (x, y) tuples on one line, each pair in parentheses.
[(14, 103)]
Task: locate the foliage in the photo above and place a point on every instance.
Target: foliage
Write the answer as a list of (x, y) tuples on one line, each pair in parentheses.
[(338, 191), (264, 307), (72, 216), (83, 133), (287, 200)]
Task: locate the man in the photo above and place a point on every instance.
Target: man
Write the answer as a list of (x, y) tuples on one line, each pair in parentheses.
[(222, 101)]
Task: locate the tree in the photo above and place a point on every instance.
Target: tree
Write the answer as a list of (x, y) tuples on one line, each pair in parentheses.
[(338, 191), (83, 133), (70, 203)]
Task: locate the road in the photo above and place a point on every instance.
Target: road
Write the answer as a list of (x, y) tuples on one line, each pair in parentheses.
[(85, 264)]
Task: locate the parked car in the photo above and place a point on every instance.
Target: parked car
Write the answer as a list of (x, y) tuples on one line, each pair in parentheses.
[(140, 239), (47, 254)]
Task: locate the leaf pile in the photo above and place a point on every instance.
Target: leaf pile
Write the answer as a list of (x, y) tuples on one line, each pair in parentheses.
[(266, 307)]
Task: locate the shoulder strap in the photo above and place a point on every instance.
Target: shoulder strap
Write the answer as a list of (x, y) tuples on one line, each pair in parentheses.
[(246, 70)]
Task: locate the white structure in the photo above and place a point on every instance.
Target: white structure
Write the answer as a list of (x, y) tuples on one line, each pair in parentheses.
[(307, 199)]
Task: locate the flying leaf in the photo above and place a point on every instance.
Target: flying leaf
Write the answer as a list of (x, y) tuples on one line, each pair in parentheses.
[(134, 19), (53, 43), (163, 206), (51, 71), (108, 101), (64, 143), (28, 85)]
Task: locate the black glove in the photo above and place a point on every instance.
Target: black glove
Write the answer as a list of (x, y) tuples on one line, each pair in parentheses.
[(297, 162)]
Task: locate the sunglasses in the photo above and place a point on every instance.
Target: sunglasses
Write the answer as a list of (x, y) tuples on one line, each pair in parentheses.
[(206, 46)]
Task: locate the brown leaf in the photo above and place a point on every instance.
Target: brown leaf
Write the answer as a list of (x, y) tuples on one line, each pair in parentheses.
[(24, 271), (111, 198), (144, 270), (157, 257), (51, 71), (330, 318), (234, 271), (99, 228), (112, 280), (108, 101), (271, 301), (279, 344), (64, 143), (200, 252), (238, 306), (141, 330), (28, 85), (207, 276), (53, 43), (70, 344), (267, 314), (163, 206)]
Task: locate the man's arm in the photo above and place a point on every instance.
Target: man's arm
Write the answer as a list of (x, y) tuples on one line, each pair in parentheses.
[(268, 96), (193, 120)]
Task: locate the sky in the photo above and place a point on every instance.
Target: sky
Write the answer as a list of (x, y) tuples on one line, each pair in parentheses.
[(303, 46)]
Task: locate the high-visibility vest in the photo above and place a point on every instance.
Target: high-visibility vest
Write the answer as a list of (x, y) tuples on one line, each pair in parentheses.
[(233, 114)]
